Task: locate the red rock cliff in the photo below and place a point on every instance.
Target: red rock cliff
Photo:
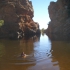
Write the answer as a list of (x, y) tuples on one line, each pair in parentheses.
[(17, 14), (59, 26)]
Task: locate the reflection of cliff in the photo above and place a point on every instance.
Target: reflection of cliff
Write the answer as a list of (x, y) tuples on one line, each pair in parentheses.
[(59, 26), (27, 44), (2, 50), (61, 52), (11, 48)]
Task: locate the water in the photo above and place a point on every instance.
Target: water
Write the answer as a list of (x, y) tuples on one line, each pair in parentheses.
[(43, 54)]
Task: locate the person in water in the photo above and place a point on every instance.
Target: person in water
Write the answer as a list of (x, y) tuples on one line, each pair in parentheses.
[(23, 55)]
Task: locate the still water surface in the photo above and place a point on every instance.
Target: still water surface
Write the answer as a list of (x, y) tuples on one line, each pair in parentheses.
[(44, 54)]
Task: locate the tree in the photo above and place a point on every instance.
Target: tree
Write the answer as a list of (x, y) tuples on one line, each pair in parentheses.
[(1, 24)]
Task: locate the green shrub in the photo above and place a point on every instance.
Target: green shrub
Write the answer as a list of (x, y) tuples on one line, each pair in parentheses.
[(1, 23)]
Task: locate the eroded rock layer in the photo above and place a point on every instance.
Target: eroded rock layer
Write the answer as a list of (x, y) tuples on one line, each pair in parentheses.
[(59, 26), (17, 14)]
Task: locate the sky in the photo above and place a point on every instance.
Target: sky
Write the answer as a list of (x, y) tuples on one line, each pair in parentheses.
[(41, 12)]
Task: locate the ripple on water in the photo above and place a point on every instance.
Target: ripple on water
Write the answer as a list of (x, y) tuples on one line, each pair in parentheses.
[(32, 59)]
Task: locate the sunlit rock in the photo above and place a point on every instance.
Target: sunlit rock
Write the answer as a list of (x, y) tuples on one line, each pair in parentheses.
[(17, 14)]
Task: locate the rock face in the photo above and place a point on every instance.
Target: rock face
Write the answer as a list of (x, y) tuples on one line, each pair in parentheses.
[(59, 26), (17, 14)]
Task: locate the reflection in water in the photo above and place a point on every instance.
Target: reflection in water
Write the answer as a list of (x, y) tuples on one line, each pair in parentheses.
[(42, 49), (43, 54), (2, 50), (61, 51)]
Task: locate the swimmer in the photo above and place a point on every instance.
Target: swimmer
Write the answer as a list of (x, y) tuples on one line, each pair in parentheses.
[(23, 55)]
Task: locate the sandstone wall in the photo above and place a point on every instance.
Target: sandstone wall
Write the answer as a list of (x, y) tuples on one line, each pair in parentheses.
[(17, 14), (59, 26)]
